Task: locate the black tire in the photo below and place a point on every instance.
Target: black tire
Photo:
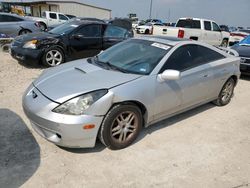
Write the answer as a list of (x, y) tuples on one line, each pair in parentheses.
[(223, 100), (24, 31), (224, 43), (56, 54), (147, 31), (115, 122), (43, 26)]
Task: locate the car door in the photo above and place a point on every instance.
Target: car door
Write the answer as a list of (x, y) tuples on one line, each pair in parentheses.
[(217, 36), (52, 19), (113, 35), (191, 89), (86, 41), (208, 34), (10, 25)]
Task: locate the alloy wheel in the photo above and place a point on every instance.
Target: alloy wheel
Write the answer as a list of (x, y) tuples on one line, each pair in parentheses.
[(124, 126), (54, 57)]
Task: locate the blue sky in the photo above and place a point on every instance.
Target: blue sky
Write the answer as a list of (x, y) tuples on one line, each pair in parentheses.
[(230, 12)]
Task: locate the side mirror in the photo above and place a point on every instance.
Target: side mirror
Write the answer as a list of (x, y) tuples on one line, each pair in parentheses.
[(169, 75)]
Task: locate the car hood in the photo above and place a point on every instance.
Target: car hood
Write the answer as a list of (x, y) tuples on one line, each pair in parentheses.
[(36, 36), (78, 77), (244, 51)]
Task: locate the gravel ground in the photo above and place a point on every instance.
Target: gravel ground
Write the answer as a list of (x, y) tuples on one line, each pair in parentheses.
[(205, 147)]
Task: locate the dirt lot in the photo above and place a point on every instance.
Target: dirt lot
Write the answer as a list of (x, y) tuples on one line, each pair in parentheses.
[(206, 147)]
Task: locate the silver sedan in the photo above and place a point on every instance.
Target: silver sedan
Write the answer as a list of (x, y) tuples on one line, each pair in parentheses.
[(133, 84)]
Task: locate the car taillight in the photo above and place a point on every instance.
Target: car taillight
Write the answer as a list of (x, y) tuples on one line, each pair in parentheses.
[(238, 35), (181, 33)]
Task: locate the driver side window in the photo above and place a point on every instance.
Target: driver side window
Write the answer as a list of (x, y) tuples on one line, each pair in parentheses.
[(90, 31), (183, 58)]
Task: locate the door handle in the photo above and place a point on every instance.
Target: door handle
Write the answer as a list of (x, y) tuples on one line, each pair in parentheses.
[(205, 76)]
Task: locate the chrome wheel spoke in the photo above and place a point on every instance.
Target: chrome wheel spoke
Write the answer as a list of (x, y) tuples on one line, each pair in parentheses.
[(124, 126), (117, 132)]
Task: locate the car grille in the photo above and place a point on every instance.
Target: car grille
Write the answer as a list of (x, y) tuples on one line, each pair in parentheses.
[(245, 60)]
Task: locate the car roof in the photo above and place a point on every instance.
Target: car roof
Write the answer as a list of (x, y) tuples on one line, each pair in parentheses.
[(173, 41)]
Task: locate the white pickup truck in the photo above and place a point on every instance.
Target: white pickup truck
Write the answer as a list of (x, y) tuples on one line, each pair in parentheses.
[(50, 18), (195, 29)]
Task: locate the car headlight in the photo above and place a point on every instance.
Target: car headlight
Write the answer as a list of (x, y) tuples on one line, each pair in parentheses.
[(78, 105), (31, 44)]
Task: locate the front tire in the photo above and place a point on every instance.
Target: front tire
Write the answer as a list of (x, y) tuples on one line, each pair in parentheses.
[(121, 126), (53, 56), (226, 93)]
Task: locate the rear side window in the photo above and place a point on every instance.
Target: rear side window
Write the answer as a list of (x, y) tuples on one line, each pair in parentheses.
[(189, 56), (193, 24), (216, 27), (8, 18), (52, 15), (207, 25), (210, 55), (114, 31)]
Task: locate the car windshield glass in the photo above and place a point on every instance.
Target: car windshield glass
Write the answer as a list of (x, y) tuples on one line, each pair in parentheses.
[(65, 28), (134, 56), (245, 41)]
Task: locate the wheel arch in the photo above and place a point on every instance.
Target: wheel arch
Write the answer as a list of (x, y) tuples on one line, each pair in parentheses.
[(23, 29), (235, 78), (141, 106)]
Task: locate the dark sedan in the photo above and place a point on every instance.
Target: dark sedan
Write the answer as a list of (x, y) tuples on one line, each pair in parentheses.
[(243, 48), (73, 40)]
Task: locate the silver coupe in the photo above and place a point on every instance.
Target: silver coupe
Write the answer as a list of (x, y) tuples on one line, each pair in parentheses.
[(133, 84)]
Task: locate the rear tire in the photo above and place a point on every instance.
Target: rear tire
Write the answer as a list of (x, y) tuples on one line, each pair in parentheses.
[(224, 43), (24, 31), (226, 93), (121, 126), (43, 26)]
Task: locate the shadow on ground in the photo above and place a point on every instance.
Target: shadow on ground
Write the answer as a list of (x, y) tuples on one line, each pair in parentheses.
[(173, 120), (149, 130), (32, 66), (245, 77), (19, 151)]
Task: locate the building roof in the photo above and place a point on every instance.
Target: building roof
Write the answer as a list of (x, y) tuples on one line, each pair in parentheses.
[(49, 1)]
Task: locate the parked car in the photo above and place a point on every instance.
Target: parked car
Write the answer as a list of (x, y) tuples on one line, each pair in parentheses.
[(133, 84), (196, 29), (243, 49), (72, 40), (138, 23), (154, 21), (14, 25), (51, 18), (237, 36), (147, 28)]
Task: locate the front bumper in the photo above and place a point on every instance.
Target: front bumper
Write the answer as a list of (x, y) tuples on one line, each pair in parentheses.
[(245, 65), (29, 56), (245, 68), (63, 130)]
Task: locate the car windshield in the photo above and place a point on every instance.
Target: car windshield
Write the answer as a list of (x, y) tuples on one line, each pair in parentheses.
[(134, 56), (245, 41), (65, 28)]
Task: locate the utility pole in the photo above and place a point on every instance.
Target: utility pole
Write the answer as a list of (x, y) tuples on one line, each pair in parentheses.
[(150, 13)]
